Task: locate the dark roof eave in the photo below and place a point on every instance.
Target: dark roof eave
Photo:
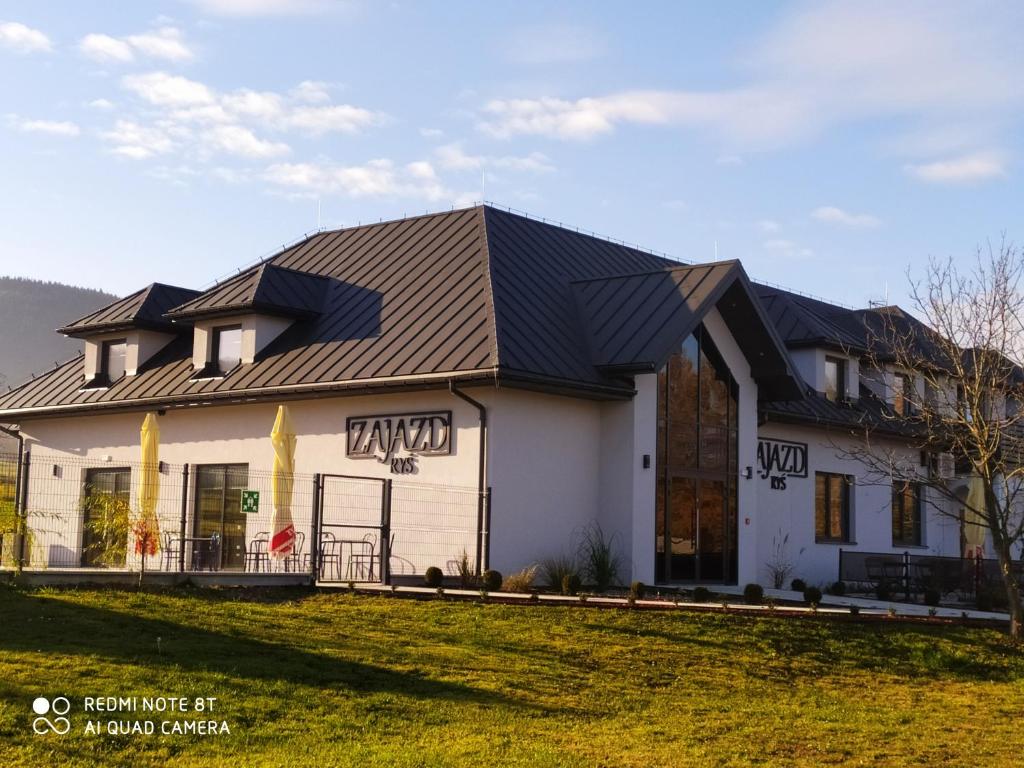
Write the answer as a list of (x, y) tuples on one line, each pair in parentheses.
[(99, 330), (785, 417)]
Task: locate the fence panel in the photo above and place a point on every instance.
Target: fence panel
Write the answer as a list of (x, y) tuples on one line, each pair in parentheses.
[(433, 525), (353, 540)]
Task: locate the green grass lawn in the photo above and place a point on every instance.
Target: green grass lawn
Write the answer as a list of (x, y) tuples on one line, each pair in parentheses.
[(334, 679)]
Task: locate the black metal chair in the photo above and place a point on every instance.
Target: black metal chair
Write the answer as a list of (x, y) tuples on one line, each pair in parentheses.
[(329, 556), (172, 551), (291, 562), (257, 557)]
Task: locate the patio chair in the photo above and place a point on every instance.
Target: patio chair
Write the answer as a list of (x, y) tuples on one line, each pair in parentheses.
[(368, 561), (291, 562), (171, 551), (329, 556), (257, 557)]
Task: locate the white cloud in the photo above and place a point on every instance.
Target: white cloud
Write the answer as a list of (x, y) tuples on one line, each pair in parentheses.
[(104, 48), (431, 133), (824, 65), (165, 43), (768, 226), (21, 39), (51, 127), (453, 157), (129, 139), (239, 140), (341, 118), (263, 105), (554, 44), (101, 104), (311, 91), (377, 178), (832, 215), (787, 249), (960, 170), (162, 89), (262, 7)]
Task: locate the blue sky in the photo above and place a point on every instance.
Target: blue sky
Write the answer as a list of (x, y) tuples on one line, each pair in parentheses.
[(829, 146)]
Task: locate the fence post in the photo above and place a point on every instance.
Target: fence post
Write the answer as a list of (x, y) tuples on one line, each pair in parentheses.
[(184, 518), (22, 513), (840, 578), (906, 575), (385, 534), (487, 530), (314, 537)]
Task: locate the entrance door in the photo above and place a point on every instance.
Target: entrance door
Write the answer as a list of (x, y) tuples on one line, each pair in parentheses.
[(697, 444), (219, 521), (106, 517)]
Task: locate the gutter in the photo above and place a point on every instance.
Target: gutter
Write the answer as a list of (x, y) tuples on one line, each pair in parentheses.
[(482, 551)]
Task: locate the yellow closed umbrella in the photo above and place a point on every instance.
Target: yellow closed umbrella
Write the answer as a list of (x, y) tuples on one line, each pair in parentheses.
[(282, 436), (974, 522), (147, 530)]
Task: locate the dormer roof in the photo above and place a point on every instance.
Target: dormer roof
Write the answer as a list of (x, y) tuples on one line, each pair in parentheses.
[(143, 309)]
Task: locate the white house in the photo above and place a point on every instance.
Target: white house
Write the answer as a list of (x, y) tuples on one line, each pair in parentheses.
[(475, 382)]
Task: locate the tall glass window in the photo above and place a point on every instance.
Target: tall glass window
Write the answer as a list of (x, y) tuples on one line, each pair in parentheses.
[(835, 379), (697, 445)]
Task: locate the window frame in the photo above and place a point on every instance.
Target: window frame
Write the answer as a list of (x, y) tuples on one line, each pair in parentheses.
[(845, 535), (103, 368), (215, 334), (840, 364), (916, 535), (907, 385)]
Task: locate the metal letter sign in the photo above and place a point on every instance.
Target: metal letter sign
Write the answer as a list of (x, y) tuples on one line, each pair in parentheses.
[(385, 437), (250, 502), (780, 459)]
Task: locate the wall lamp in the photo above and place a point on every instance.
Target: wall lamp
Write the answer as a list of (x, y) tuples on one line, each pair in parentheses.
[(748, 472)]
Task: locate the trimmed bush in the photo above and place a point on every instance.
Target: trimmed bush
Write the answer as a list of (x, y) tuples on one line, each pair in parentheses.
[(598, 555), (882, 591), (798, 585), (491, 581), (932, 597), (854, 610), (812, 595), (553, 571), (701, 594), (433, 576), (838, 589), (753, 594), (983, 600), (570, 584), (637, 590)]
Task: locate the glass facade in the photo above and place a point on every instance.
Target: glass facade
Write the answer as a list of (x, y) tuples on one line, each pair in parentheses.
[(219, 520), (696, 506)]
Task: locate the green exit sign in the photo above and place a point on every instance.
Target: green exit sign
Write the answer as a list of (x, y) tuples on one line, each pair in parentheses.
[(250, 502)]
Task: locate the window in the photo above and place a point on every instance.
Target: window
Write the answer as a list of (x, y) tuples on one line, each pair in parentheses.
[(113, 362), (835, 379), (105, 512), (902, 392), (227, 348), (906, 513), (832, 507)]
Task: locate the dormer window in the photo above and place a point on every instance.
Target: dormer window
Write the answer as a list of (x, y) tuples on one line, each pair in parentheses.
[(835, 379), (114, 360), (227, 348)]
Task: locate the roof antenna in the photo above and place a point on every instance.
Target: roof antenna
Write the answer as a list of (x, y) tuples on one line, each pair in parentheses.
[(483, 184), (318, 214), (716, 250)]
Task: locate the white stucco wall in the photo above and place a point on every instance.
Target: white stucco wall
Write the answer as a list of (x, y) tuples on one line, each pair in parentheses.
[(792, 510)]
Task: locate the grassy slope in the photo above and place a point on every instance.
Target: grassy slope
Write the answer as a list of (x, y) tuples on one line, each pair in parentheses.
[(333, 679)]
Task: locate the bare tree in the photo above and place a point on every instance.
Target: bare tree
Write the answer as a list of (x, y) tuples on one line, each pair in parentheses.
[(955, 386)]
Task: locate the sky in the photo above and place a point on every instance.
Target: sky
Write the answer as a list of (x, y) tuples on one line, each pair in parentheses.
[(831, 147)]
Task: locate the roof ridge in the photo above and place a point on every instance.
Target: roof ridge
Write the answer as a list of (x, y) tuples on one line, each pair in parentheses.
[(492, 313)]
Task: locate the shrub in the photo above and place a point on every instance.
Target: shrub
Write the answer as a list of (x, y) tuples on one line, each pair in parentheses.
[(932, 596), (597, 554), (753, 594), (701, 594), (838, 589), (983, 600), (520, 581), (933, 612), (812, 595), (882, 591), (637, 590), (554, 569), (798, 585), (854, 610), (570, 584), (466, 576), (433, 576), (491, 581)]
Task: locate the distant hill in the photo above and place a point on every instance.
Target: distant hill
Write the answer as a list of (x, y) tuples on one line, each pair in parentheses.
[(29, 312)]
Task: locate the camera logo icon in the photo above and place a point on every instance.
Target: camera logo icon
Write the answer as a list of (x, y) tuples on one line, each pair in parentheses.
[(59, 707)]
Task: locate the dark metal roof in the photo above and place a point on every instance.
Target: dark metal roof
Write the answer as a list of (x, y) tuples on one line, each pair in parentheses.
[(142, 309), (476, 294), (866, 412), (802, 321), (634, 322), (266, 288)]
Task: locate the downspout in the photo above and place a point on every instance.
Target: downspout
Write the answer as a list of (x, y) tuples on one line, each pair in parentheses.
[(482, 553)]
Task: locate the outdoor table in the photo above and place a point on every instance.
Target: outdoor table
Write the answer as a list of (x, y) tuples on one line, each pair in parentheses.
[(205, 552)]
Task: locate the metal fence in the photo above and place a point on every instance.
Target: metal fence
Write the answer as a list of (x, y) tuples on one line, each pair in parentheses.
[(912, 574), (68, 512)]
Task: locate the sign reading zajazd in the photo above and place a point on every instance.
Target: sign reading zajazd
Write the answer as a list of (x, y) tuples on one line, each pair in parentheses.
[(780, 459), (399, 439)]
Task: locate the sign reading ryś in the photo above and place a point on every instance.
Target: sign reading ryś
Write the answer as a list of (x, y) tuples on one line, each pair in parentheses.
[(779, 459), (387, 437), (250, 502)]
